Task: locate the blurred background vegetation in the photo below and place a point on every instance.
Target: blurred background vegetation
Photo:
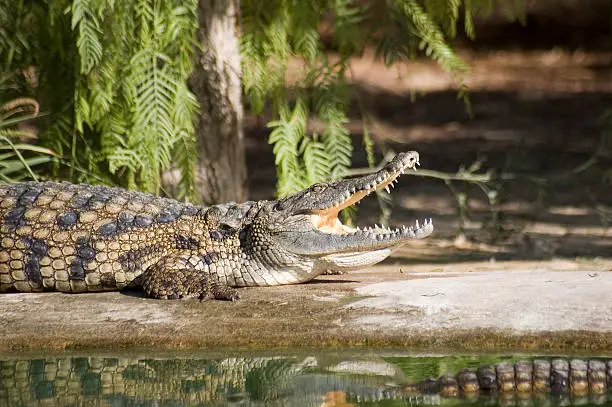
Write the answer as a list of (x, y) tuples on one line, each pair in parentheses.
[(111, 78)]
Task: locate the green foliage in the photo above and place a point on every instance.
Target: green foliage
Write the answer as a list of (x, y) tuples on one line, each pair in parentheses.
[(112, 76), (287, 132), (17, 157), (133, 91)]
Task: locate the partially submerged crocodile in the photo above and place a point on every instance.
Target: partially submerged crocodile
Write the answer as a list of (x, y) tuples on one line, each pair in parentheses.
[(79, 238)]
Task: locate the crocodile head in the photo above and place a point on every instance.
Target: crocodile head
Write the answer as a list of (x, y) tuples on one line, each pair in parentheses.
[(304, 229)]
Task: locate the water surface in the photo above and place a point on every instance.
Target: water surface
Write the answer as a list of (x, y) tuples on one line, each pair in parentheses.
[(238, 380)]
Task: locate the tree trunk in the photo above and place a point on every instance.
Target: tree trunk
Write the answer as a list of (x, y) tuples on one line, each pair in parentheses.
[(221, 166)]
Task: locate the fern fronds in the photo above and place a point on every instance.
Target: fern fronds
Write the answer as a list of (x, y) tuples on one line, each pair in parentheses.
[(433, 41), (303, 26), (314, 153), (349, 36), (444, 13), (86, 18), (133, 88), (287, 133)]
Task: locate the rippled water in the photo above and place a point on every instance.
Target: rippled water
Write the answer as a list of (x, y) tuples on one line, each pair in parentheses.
[(287, 380)]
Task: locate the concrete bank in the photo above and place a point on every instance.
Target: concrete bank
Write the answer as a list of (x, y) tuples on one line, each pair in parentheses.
[(531, 306)]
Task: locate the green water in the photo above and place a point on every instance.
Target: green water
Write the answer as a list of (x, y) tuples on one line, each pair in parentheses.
[(242, 380)]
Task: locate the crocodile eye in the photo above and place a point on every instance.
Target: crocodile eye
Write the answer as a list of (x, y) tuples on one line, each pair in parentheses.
[(318, 187)]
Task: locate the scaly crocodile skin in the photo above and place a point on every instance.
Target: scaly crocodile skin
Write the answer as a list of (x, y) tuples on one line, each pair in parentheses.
[(78, 238)]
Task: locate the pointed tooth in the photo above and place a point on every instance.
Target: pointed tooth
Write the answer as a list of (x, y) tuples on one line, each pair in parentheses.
[(414, 168), (417, 223), (387, 189)]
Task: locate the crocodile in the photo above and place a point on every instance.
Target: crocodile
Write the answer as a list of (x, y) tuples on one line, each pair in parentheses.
[(84, 238), (297, 381)]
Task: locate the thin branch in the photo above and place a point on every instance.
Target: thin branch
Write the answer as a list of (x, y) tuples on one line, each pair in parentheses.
[(468, 176)]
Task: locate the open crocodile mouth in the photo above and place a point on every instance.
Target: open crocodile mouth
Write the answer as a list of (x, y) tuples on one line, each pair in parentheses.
[(326, 220)]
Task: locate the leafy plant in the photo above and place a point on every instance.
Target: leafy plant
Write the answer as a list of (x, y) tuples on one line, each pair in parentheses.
[(126, 111), (17, 157), (113, 77), (275, 31)]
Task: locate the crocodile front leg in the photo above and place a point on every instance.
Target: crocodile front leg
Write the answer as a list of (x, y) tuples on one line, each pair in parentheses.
[(182, 276)]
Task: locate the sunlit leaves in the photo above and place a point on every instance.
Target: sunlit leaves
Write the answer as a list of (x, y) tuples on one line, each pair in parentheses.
[(134, 89), (433, 42), (287, 133)]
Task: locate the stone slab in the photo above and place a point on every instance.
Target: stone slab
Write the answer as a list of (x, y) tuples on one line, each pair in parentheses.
[(536, 307)]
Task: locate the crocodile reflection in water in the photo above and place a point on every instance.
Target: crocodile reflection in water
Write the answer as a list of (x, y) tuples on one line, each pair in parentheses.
[(288, 381)]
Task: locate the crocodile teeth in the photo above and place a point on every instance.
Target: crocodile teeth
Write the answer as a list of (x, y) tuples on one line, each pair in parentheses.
[(387, 189), (417, 223)]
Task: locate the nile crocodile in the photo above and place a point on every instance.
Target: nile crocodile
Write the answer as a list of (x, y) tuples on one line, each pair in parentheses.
[(79, 238)]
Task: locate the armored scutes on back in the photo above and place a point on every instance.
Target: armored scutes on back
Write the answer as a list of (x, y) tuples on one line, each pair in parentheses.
[(78, 238)]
